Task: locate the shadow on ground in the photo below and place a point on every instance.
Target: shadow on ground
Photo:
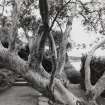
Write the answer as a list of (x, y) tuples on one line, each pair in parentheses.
[(25, 95), (20, 95)]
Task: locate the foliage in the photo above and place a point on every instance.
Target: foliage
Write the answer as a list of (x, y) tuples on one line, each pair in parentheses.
[(93, 15)]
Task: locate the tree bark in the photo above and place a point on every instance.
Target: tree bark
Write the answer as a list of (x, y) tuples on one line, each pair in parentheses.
[(99, 87), (12, 62), (62, 51)]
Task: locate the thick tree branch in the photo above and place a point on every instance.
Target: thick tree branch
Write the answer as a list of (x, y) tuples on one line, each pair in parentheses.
[(99, 86), (43, 33), (62, 51), (13, 29), (13, 62), (59, 11), (88, 84)]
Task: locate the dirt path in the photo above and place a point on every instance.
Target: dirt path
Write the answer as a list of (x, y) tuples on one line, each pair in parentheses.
[(24, 95), (20, 95)]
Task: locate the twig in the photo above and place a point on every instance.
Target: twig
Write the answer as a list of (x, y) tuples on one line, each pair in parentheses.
[(59, 13), (59, 25)]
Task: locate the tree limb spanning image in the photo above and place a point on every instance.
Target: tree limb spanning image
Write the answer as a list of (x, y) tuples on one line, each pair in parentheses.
[(42, 59)]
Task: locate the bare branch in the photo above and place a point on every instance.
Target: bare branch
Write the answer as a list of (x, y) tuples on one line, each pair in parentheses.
[(54, 59), (13, 30), (58, 25), (62, 51), (43, 34), (14, 63), (101, 20), (99, 86), (59, 13), (87, 72)]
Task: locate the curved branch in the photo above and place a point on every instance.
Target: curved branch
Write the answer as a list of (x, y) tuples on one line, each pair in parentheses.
[(33, 60), (40, 49), (62, 51), (62, 7), (13, 30), (16, 64), (43, 34), (96, 89), (54, 58), (58, 24)]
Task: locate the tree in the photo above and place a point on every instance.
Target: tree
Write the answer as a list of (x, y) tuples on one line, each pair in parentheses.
[(53, 85)]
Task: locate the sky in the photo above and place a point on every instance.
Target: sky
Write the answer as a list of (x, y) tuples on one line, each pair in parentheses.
[(80, 35)]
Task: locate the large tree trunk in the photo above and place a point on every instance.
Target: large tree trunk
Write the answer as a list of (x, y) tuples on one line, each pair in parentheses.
[(12, 62)]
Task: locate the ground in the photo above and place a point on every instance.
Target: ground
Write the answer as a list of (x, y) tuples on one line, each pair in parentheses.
[(25, 95), (20, 95)]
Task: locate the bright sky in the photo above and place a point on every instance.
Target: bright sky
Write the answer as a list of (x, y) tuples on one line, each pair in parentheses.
[(80, 35), (77, 34)]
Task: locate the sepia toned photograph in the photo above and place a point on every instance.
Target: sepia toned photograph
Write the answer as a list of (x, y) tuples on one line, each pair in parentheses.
[(52, 52)]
